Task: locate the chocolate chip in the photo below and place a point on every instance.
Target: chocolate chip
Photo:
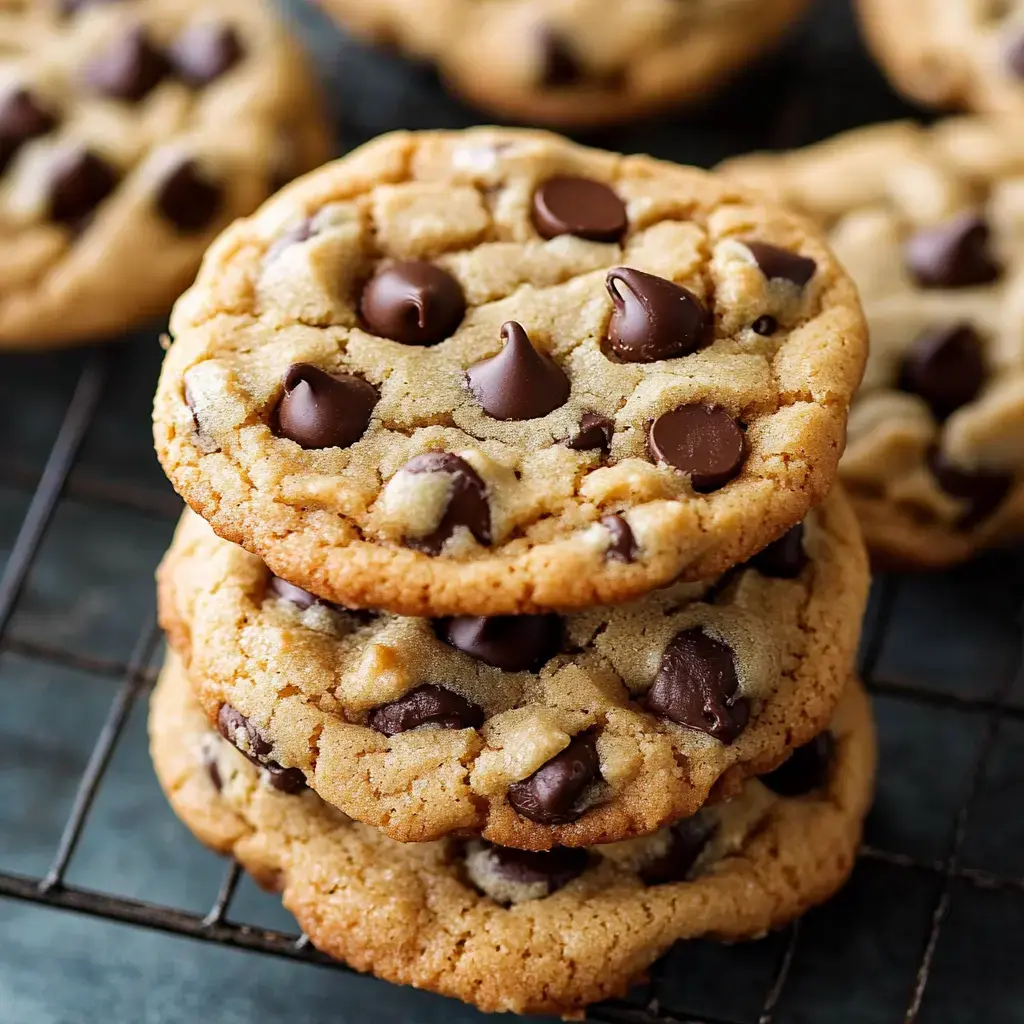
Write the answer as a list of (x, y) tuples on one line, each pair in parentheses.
[(188, 199), (702, 440), (781, 264), (513, 643), (414, 302), (983, 492), (467, 502), (205, 51), (784, 558), (324, 410), (519, 383), (129, 69), (560, 67), (952, 255), (623, 545), (551, 794), (289, 592), (946, 367), (766, 326), (555, 869), (595, 431), (231, 722), (697, 686), (579, 206), (300, 232), (426, 705), (78, 182), (653, 318), (209, 751), (22, 117), (686, 842), (805, 770)]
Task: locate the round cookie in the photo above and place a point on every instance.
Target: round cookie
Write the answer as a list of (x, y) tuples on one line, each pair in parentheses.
[(459, 918), (421, 378), (131, 133), (534, 731), (954, 54), (575, 62), (930, 223)]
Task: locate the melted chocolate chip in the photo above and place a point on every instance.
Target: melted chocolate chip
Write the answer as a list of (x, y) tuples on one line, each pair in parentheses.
[(560, 67), (519, 383), (188, 199), (324, 410), (414, 302), (302, 599), (300, 232), (79, 181), (231, 722), (687, 840), (554, 869), (22, 117), (697, 686), (805, 770), (467, 502), (781, 264), (205, 51), (983, 492), (653, 318), (426, 705), (595, 431), (946, 367), (287, 780), (210, 763), (129, 69), (579, 206), (551, 794), (704, 441), (623, 544), (952, 255), (784, 558), (766, 326), (513, 643)]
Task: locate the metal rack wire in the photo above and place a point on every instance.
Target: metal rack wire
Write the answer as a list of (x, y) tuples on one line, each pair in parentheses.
[(217, 925)]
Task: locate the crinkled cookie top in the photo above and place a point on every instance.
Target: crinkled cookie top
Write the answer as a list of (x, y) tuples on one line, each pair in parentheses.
[(131, 132), (494, 372)]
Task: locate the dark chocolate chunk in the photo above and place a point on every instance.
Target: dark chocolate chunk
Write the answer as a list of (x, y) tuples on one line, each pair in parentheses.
[(205, 51), (230, 722), (946, 367), (704, 441), (766, 326), (426, 705), (781, 264), (982, 491), (560, 66), (550, 796), (623, 544), (130, 68), (784, 558), (513, 643), (79, 181), (188, 198), (687, 840), (697, 686), (805, 770), (414, 302), (555, 869), (22, 117), (467, 503), (952, 255), (579, 206), (595, 431), (324, 410)]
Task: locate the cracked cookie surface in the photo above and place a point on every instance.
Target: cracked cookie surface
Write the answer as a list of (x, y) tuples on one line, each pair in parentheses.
[(953, 54), (630, 339), (575, 61), (131, 133), (461, 918), (533, 731), (930, 223)]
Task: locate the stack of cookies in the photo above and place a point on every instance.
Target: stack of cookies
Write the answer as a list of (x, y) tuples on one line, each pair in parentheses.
[(513, 626)]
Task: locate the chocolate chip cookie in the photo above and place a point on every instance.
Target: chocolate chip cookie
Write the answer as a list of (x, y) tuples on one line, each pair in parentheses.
[(130, 134), (930, 222), (460, 917), (581, 62), (535, 730), (428, 376), (962, 54)]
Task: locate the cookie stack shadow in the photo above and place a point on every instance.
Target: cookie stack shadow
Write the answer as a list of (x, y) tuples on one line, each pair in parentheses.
[(508, 798)]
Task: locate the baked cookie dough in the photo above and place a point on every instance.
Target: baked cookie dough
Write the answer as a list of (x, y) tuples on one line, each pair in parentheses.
[(575, 62), (131, 133), (954, 54), (930, 223), (460, 918), (424, 377), (534, 731)]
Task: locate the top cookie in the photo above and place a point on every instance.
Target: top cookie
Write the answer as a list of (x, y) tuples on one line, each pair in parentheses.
[(966, 54), (930, 222), (424, 377), (575, 61), (132, 132)]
